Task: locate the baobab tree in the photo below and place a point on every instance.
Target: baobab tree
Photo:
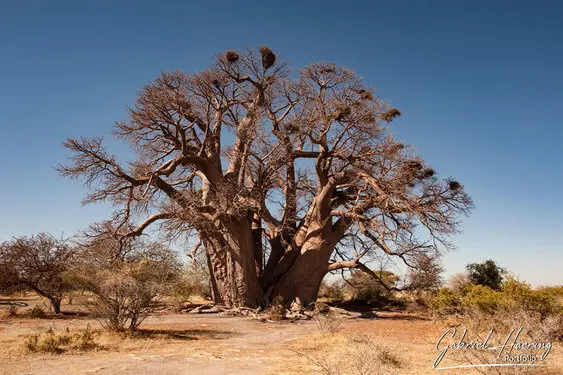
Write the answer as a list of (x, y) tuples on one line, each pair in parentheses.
[(282, 176)]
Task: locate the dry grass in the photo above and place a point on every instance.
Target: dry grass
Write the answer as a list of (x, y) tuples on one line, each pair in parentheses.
[(276, 311), (37, 312), (53, 342), (394, 343), (534, 330), (350, 354), (329, 323), (12, 311)]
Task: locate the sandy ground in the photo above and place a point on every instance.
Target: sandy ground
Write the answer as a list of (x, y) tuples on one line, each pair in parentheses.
[(174, 343)]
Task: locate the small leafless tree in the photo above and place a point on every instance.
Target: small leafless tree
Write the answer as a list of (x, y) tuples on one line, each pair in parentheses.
[(459, 282), (427, 275), (124, 285), (272, 171), (38, 263)]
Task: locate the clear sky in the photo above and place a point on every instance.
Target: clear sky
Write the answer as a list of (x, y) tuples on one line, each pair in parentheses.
[(480, 85)]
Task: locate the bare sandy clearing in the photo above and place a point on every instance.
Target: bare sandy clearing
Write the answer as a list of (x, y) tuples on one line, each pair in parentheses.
[(213, 344)]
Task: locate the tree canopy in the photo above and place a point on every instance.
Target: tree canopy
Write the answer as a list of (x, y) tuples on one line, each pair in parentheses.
[(37, 263), (487, 273), (281, 175)]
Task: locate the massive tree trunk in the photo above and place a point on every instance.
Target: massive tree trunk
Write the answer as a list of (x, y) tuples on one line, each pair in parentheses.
[(236, 284), (299, 286), (298, 260), (294, 270), (233, 273)]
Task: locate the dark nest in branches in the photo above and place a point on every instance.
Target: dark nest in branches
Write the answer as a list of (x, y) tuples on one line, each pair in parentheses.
[(427, 173), (365, 94), (231, 56), (340, 113), (414, 165), (398, 147), (369, 119), (328, 70), (268, 57), (291, 127), (454, 185), (391, 114)]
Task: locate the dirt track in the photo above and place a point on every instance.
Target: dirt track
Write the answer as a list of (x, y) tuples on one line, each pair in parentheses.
[(185, 344)]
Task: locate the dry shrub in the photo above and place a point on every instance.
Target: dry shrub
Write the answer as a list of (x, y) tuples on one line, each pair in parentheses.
[(514, 307), (85, 339), (60, 342), (12, 311), (388, 357), (356, 355), (276, 310), (459, 282), (123, 291), (193, 281), (327, 321), (371, 358), (326, 365), (332, 291), (37, 312), (366, 289), (534, 330), (31, 343), (120, 300)]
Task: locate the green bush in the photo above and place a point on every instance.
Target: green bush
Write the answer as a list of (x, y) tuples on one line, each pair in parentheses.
[(481, 298), (445, 302), (539, 312), (487, 274), (514, 295), (518, 294), (555, 291)]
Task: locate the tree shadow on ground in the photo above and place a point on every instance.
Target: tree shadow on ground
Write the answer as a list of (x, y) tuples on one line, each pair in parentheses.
[(12, 302), (409, 317), (366, 311), (182, 334)]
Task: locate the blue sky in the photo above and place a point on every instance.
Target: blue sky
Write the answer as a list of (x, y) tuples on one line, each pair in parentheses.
[(479, 84)]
